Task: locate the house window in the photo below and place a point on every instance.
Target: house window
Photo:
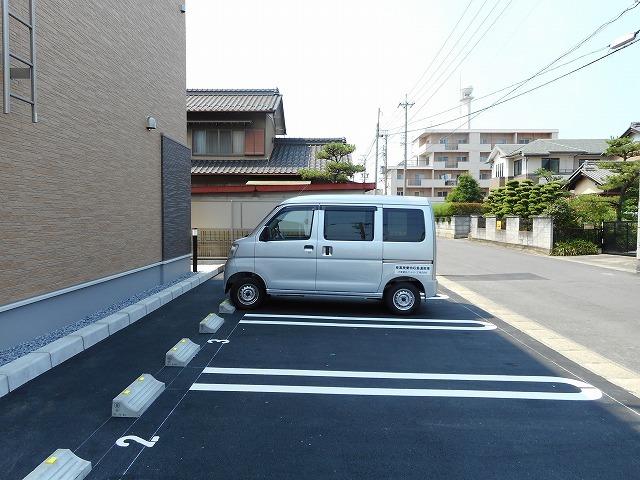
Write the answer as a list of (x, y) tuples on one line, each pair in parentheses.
[(517, 167), (442, 194), (484, 176), (552, 164), (224, 142), (499, 170), (501, 141), (228, 142), (523, 141), (462, 159), (399, 175), (443, 158), (399, 192)]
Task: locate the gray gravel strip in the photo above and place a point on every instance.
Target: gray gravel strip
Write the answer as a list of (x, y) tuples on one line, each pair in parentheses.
[(22, 349)]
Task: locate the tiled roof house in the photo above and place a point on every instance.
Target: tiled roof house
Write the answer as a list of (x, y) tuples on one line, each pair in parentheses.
[(561, 156), (236, 148), (587, 178)]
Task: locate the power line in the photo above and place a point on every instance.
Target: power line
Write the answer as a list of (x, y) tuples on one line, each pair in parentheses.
[(447, 55), (500, 102), (468, 53), (509, 86)]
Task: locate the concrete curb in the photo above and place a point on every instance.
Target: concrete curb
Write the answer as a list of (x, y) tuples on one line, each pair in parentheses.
[(20, 371)]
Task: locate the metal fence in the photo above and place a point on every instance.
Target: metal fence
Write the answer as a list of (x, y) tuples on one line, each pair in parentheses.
[(526, 224), (619, 238), (215, 242), (563, 234)]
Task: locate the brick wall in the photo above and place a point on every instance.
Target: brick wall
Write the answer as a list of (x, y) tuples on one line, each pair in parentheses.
[(80, 191)]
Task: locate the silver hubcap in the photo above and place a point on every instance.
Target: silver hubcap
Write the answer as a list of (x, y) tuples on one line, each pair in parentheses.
[(403, 299), (248, 294)]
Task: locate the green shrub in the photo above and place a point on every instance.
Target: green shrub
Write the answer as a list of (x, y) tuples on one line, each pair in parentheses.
[(573, 248), (449, 209), (442, 209), (468, 208)]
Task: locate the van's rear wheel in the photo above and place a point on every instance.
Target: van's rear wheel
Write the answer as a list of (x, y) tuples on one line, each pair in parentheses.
[(247, 293), (402, 298)]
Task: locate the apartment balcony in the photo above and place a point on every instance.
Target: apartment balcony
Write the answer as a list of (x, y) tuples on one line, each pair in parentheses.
[(413, 182), (428, 148), (450, 165)]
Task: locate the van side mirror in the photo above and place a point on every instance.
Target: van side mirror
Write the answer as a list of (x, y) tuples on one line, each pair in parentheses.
[(264, 235)]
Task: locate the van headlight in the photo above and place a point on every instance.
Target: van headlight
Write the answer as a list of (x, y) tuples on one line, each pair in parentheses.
[(233, 250)]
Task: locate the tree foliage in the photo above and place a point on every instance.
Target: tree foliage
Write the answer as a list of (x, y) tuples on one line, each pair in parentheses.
[(623, 147), (623, 180), (467, 191), (523, 199), (549, 175), (592, 209), (338, 168)]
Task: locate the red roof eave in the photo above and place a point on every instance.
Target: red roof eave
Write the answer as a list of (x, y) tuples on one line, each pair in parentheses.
[(314, 187)]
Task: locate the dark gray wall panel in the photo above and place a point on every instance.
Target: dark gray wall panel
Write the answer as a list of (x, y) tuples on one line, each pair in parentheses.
[(176, 199)]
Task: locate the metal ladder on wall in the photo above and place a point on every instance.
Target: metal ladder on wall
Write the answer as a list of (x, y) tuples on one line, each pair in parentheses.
[(26, 72)]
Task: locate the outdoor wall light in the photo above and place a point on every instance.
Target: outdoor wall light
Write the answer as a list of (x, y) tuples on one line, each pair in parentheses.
[(151, 123)]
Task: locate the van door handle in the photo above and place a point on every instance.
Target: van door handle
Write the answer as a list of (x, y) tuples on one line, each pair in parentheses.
[(328, 251), (308, 248)]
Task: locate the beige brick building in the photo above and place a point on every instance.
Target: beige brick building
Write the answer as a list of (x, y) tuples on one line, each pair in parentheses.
[(94, 207)]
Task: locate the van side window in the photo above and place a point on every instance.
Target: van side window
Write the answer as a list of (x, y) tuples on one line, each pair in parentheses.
[(348, 224), (291, 224), (403, 225)]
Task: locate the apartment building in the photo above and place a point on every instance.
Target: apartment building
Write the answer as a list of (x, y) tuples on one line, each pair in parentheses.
[(95, 183), (440, 156)]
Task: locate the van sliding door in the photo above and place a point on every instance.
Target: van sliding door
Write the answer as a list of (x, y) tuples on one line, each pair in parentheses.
[(349, 250)]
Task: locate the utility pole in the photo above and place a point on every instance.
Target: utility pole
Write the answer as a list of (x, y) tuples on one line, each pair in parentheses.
[(375, 190), (406, 106), (384, 155)]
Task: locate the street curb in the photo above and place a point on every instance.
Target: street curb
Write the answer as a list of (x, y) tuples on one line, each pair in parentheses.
[(588, 359), (20, 371)]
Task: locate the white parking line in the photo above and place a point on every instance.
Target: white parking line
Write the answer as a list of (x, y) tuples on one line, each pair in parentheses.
[(586, 391), (396, 323)]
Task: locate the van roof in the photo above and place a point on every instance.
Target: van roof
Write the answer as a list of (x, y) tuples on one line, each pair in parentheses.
[(357, 200)]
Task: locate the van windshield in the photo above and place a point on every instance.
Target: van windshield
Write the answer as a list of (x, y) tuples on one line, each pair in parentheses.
[(264, 220)]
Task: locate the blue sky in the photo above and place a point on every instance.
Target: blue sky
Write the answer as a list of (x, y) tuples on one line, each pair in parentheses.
[(337, 62)]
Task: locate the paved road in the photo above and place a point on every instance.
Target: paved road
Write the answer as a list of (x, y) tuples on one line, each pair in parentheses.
[(594, 306), (333, 389)]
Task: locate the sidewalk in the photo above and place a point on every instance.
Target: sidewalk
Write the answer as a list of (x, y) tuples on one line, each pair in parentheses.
[(585, 307), (622, 263)]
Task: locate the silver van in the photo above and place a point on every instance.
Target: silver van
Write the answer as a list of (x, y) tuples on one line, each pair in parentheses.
[(364, 246)]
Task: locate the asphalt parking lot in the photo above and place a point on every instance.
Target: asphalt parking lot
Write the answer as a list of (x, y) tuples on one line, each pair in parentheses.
[(339, 389)]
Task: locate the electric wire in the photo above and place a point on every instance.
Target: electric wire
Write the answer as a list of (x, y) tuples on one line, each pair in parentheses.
[(463, 58)]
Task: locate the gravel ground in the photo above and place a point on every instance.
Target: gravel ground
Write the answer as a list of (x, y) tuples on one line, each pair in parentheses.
[(21, 349)]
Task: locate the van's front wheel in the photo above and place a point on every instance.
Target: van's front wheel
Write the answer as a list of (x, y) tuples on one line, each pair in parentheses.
[(402, 298), (247, 293)]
